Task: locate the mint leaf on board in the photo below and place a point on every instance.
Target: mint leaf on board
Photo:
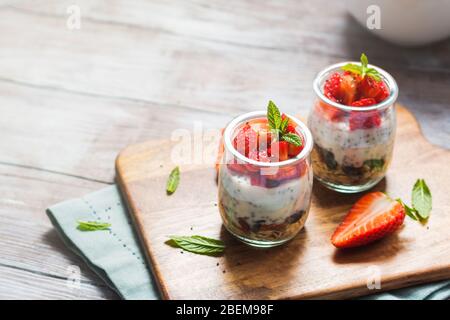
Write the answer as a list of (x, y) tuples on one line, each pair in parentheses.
[(198, 244), (292, 138), (92, 225), (273, 116), (173, 181), (421, 198)]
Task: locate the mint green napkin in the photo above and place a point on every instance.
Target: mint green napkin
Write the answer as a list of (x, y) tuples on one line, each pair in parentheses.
[(115, 255)]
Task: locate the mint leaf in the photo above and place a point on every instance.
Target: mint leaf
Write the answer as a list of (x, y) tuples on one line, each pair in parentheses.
[(371, 72), (421, 198), (353, 68), (92, 225), (198, 244), (410, 212), (273, 116), (283, 125), (292, 138), (173, 181)]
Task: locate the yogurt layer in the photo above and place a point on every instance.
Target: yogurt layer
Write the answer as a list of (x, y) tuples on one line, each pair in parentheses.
[(352, 147), (256, 204)]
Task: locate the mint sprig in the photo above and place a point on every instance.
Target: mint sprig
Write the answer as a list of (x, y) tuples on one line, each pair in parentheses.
[(198, 244), (278, 125), (363, 69)]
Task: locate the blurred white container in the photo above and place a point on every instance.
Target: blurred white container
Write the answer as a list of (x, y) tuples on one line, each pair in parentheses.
[(406, 22)]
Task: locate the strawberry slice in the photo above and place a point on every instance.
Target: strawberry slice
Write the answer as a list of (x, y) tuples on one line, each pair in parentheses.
[(372, 217)]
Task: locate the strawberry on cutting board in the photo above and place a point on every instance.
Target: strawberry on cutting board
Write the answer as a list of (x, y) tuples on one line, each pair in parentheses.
[(372, 217)]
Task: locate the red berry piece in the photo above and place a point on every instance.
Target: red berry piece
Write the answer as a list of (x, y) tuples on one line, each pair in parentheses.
[(364, 119), (365, 102), (372, 217)]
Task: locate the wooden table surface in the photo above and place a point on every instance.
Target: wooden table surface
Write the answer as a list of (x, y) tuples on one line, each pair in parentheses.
[(70, 100)]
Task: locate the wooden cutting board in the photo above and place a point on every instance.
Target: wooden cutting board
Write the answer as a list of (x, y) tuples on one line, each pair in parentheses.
[(306, 267)]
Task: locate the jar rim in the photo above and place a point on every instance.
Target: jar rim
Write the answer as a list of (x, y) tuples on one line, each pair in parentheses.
[(387, 79), (229, 130)]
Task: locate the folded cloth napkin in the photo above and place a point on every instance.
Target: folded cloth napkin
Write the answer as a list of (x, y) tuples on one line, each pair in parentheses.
[(115, 254)]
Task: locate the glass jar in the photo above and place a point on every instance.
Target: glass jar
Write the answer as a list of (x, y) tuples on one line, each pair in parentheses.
[(352, 145), (264, 204)]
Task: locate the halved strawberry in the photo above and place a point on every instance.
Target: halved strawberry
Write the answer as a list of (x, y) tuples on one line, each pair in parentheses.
[(372, 217)]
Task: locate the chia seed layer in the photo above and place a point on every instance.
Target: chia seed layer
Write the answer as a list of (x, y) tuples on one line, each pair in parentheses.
[(262, 213)]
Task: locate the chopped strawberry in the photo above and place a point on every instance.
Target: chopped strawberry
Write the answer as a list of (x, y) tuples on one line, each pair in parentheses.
[(332, 87), (364, 119), (364, 102), (237, 167), (371, 88), (331, 113), (246, 140), (383, 94), (280, 150), (372, 217), (291, 128), (348, 89), (287, 173), (294, 150), (357, 82)]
